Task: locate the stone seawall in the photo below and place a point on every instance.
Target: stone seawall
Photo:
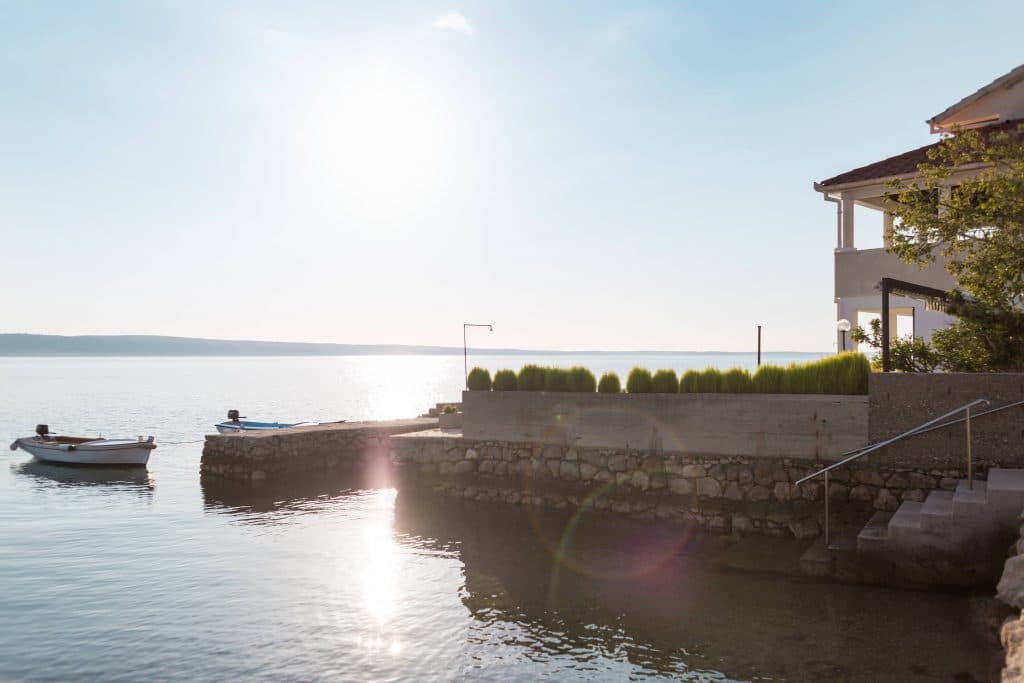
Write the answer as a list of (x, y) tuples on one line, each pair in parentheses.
[(740, 494), (258, 457), (1011, 593)]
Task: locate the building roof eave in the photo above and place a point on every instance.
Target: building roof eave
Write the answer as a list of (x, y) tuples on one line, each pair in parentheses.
[(858, 184), (1005, 81)]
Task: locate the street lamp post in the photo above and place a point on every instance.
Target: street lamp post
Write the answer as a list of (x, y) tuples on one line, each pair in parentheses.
[(843, 325), (465, 353)]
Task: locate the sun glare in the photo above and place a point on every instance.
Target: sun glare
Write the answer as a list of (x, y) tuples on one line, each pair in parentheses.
[(379, 139)]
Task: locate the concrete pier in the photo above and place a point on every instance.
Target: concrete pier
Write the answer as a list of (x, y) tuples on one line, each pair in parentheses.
[(280, 454)]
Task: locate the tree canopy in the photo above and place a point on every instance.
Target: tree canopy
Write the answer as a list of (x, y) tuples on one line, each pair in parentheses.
[(967, 204)]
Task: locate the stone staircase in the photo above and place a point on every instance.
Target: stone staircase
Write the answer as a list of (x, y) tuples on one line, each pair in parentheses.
[(950, 520), (957, 539)]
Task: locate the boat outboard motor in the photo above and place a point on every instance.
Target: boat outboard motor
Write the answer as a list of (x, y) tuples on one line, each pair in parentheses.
[(233, 415), (43, 430)]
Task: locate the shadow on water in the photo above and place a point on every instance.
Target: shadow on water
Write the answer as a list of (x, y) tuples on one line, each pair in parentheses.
[(653, 595), (552, 586), (47, 475), (268, 504)]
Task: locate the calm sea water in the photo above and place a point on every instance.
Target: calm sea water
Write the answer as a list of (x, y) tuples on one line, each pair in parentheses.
[(147, 576)]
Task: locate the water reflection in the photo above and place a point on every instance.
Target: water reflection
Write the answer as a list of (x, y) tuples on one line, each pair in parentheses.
[(655, 598), (547, 592), (47, 475), (275, 504)]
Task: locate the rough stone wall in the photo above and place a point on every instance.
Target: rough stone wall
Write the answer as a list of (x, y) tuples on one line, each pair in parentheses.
[(725, 494), (901, 401), (1011, 592), (257, 457)]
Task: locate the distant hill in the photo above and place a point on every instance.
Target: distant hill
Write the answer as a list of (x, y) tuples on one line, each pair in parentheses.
[(150, 345), (146, 345)]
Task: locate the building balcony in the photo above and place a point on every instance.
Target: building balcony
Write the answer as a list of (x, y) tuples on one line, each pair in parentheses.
[(858, 272)]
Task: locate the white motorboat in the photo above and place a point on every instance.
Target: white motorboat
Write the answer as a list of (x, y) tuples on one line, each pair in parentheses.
[(76, 450)]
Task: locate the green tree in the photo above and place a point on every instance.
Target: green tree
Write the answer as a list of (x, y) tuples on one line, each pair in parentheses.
[(906, 354), (968, 206)]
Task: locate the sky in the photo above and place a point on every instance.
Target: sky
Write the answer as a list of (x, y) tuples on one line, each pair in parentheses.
[(582, 175)]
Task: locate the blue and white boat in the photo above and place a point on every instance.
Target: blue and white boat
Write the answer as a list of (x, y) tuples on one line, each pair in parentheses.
[(237, 423)]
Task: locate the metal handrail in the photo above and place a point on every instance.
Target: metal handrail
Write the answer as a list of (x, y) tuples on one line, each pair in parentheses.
[(928, 426)]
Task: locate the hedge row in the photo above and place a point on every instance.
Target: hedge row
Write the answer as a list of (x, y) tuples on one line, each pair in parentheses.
[(844, 373)]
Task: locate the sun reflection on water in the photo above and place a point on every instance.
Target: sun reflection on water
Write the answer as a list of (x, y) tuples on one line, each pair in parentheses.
[(380, 573), (379, 578)]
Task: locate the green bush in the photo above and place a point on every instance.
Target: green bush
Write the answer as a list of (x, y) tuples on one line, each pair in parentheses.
[(768, 379), (505, 380), (581, 379), (710, 381), (479, 380), (689, 383), (450, 410), (843, 373), (737, 381), (639, 381), (531, 378), (801, 379), (556, 379), (665, 382), (609, 384)]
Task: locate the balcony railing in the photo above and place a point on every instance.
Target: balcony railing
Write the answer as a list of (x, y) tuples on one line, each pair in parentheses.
[(859, 271)]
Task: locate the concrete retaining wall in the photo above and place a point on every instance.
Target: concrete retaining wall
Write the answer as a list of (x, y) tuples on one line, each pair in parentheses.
[(801, 427), (258, 457), (901, 401)]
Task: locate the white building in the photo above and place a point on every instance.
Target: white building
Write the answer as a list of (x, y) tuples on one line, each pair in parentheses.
[(858, 271)]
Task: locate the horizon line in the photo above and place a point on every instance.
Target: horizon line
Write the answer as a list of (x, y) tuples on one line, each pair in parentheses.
[(323, 346)]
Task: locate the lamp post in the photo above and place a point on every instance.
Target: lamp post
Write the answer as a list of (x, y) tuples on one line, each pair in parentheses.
[(465, 353), (843, 325), (758, 346)]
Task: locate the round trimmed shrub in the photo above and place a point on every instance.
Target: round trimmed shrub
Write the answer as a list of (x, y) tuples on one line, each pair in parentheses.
[(737, 381), (556, 379), (505, 380), (689, 383), (710, 381), (768, 379), (665, 382), (479, 380), (531, 378), (639, 381), (581, 379), (609, 384)]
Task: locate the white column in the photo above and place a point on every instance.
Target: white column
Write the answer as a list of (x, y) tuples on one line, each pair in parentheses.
[(886, 229), (847, 243)]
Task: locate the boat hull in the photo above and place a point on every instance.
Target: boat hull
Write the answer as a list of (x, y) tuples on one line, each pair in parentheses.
[(231, 427), (99, 452)]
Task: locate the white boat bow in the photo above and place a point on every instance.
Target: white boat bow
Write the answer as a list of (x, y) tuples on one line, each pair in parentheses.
[(87, 451)]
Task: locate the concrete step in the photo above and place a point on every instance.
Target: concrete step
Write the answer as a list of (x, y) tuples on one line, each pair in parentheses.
[(906, 521), (937, 510), (1006, 487), (969, 502), (875, 533)]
